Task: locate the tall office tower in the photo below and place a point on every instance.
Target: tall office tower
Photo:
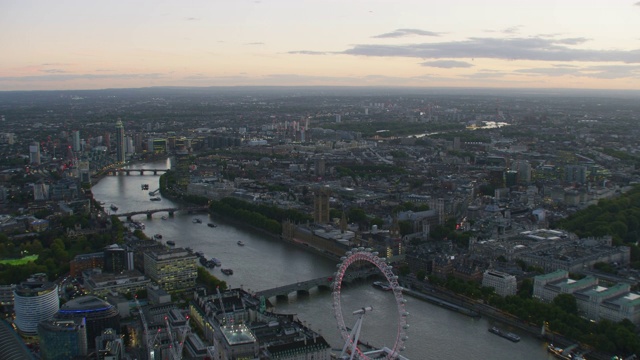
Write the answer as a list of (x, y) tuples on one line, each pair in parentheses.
[(523, 167), (321, 206), (35, 300), (107, 141), (34, 153), (576, 173), (320, 167), (116, 259), (120, 144), (130, 149), (338, 118), (76, 141), (62, 339), (84, 172)]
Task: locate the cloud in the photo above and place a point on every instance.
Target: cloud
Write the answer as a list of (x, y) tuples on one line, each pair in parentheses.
[(487, 74), (512, 30), (71, 77), (551, 71), (447, 64), (637, 4), (598, 72), (406, 32), (192, 19), (255, 43), (53, 71), (509, 30), (311, 52), (533, 48)]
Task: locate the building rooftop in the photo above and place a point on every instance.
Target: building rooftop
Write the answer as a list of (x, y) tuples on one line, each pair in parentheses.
[(237, 334)]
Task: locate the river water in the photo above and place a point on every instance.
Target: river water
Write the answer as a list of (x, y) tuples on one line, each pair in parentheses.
[(265, 262)]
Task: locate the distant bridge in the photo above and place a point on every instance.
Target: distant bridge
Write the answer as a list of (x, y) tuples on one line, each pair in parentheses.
[(321, 282), (129, 171), (170, 211)]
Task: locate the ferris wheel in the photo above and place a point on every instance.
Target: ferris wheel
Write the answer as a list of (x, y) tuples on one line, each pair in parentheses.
[(351, 336)]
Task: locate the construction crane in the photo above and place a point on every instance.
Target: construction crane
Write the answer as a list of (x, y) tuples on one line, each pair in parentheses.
[(149, 342), (176, 345)]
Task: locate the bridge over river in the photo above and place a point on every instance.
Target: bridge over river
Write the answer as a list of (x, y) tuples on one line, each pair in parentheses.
[(321, 282), (139, 171), (149, 213)]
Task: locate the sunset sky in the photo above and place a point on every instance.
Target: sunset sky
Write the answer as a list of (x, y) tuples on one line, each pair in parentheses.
[(63, 44)]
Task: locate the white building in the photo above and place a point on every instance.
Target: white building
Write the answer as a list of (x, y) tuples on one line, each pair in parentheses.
[(504, 284), (35, 300)]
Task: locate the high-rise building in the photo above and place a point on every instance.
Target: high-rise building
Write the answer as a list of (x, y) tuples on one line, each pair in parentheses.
[(35, 300), (97, 314), (107, 140), (576, 174), (120, 143), (116, 259), (34, 153), (172, 269), (62, 339), (76, 141), (321, 206)]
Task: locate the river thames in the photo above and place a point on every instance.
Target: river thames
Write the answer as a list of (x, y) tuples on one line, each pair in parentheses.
[(266, 262)]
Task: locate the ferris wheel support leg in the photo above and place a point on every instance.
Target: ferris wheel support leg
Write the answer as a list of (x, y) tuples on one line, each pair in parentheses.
[(356, 336)]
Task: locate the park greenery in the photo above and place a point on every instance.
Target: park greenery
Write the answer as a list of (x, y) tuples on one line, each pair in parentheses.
[(618, 217), (264, 217)]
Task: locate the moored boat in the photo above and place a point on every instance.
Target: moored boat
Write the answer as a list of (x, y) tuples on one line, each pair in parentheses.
[(113, 207), (227, 271), (507, 335), (196, 221), (211, 225), (382, 286), (157, 236), (171, 243), (240, 243)]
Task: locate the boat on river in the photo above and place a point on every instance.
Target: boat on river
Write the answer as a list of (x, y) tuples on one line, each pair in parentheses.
[(155, 198), (157, 236), (171, 243), (164, 217), (382, 286), (227, 271), (240, 243), (196, 221), (211, 225), (113, 207), (566, 354), (507, 335)]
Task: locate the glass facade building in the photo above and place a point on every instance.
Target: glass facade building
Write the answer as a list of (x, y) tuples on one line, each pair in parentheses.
[(62, 339)]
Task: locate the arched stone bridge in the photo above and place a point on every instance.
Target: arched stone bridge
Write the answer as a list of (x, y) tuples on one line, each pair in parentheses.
[(321, 282), (129, 171), (170, 211)]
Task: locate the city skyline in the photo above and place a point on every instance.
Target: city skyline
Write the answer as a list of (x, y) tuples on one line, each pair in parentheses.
[(458, 43)]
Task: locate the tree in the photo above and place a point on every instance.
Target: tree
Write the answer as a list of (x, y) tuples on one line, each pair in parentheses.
[(567, 303)]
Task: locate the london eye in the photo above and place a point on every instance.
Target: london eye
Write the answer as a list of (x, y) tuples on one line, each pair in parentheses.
[(351, 336)]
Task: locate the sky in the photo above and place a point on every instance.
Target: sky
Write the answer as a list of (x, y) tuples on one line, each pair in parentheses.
[(80, 44)]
